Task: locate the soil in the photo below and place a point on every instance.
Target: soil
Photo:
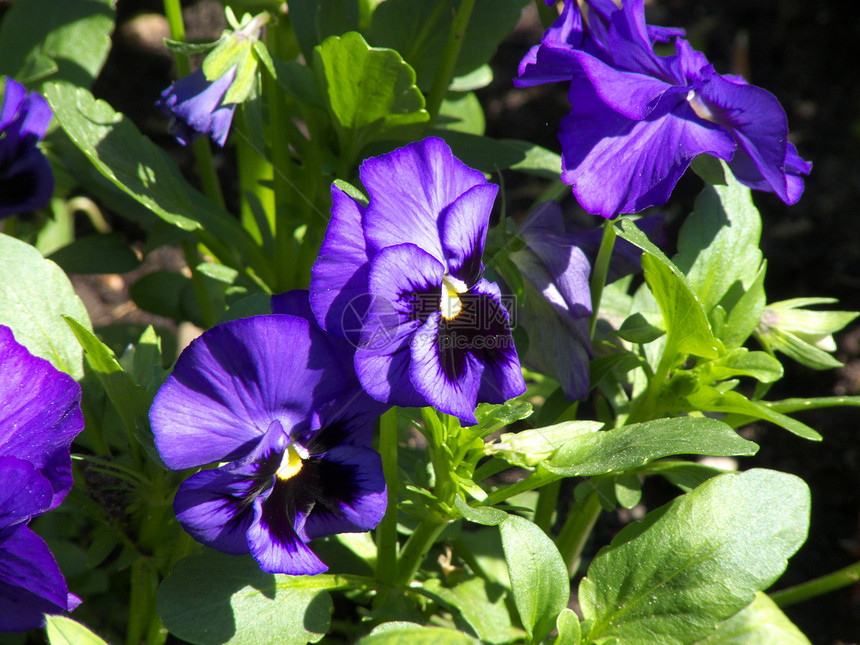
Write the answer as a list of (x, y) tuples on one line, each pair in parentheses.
[(805, 54)]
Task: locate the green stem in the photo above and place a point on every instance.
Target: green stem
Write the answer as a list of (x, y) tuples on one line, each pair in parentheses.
[(202, 151), (547, 500), (282, 167), (842, 578), (386, 532), (416, 549), (643, 408), (600, 271), (207, 309), (577, 527), (535, 480), (451, 53)]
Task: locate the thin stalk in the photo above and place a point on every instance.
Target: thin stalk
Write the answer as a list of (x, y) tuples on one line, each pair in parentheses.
[(202, 152), (207, 309), (577, 527), (386, 532), (547, 500), (416, 549), (450, 54), (282, 167), (600, 271), (842, 578), (531, 482)]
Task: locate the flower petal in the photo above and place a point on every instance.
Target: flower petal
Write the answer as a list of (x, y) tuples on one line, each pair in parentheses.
[(410, 189), (274, 542), (13, 98), (444, 371), (40, 413), (619, 165), (758, 122), (351, 493), (338, 290), (469, 359), (214, 507), (194, 107), (234, 380), (27, 184), (24, 492), (31, 583), (464, 232), (405, 287)]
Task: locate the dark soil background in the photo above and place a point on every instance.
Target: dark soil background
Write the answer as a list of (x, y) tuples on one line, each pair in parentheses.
[(803, 52)]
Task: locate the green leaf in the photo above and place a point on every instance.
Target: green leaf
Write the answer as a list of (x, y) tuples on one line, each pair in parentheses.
[(695, 561), (463, 113), (161, 293), (742, 362), (73, 34), (687, 327), (62, 630), (129, 399), (474, 80), (481, 605), (215, 598), (486, 515), (297, 80), (144, 171), (744, 317), (418, 29), (527, 448), (620, 449), (708, 399), (628, 489), (718, 244), (759, 622), (539, 578), (637, 329), (492, 417), (491, 155), (686, 475), (96, 253), (34, 295), (397, 633), (370, 92), (568, 627)]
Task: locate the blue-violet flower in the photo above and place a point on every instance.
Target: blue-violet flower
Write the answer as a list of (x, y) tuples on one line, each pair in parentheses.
[(269, 396), (402, 278), (195, 106), (637, 119), (26, 179), (40, 414)]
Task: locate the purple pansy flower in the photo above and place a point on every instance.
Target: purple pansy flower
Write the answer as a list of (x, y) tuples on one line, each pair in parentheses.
[(195, 106), (639, 119), (26, 179), (556, 262), (402, 278), (270, 396), (40, 414)]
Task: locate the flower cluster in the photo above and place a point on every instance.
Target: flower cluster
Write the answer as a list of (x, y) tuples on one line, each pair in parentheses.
[(286, 406), (40, 414), (638, 120), (26, 179)]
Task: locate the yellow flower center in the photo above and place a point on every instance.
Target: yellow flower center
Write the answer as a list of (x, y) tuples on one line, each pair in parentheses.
[(450, 303), (291, 463)]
